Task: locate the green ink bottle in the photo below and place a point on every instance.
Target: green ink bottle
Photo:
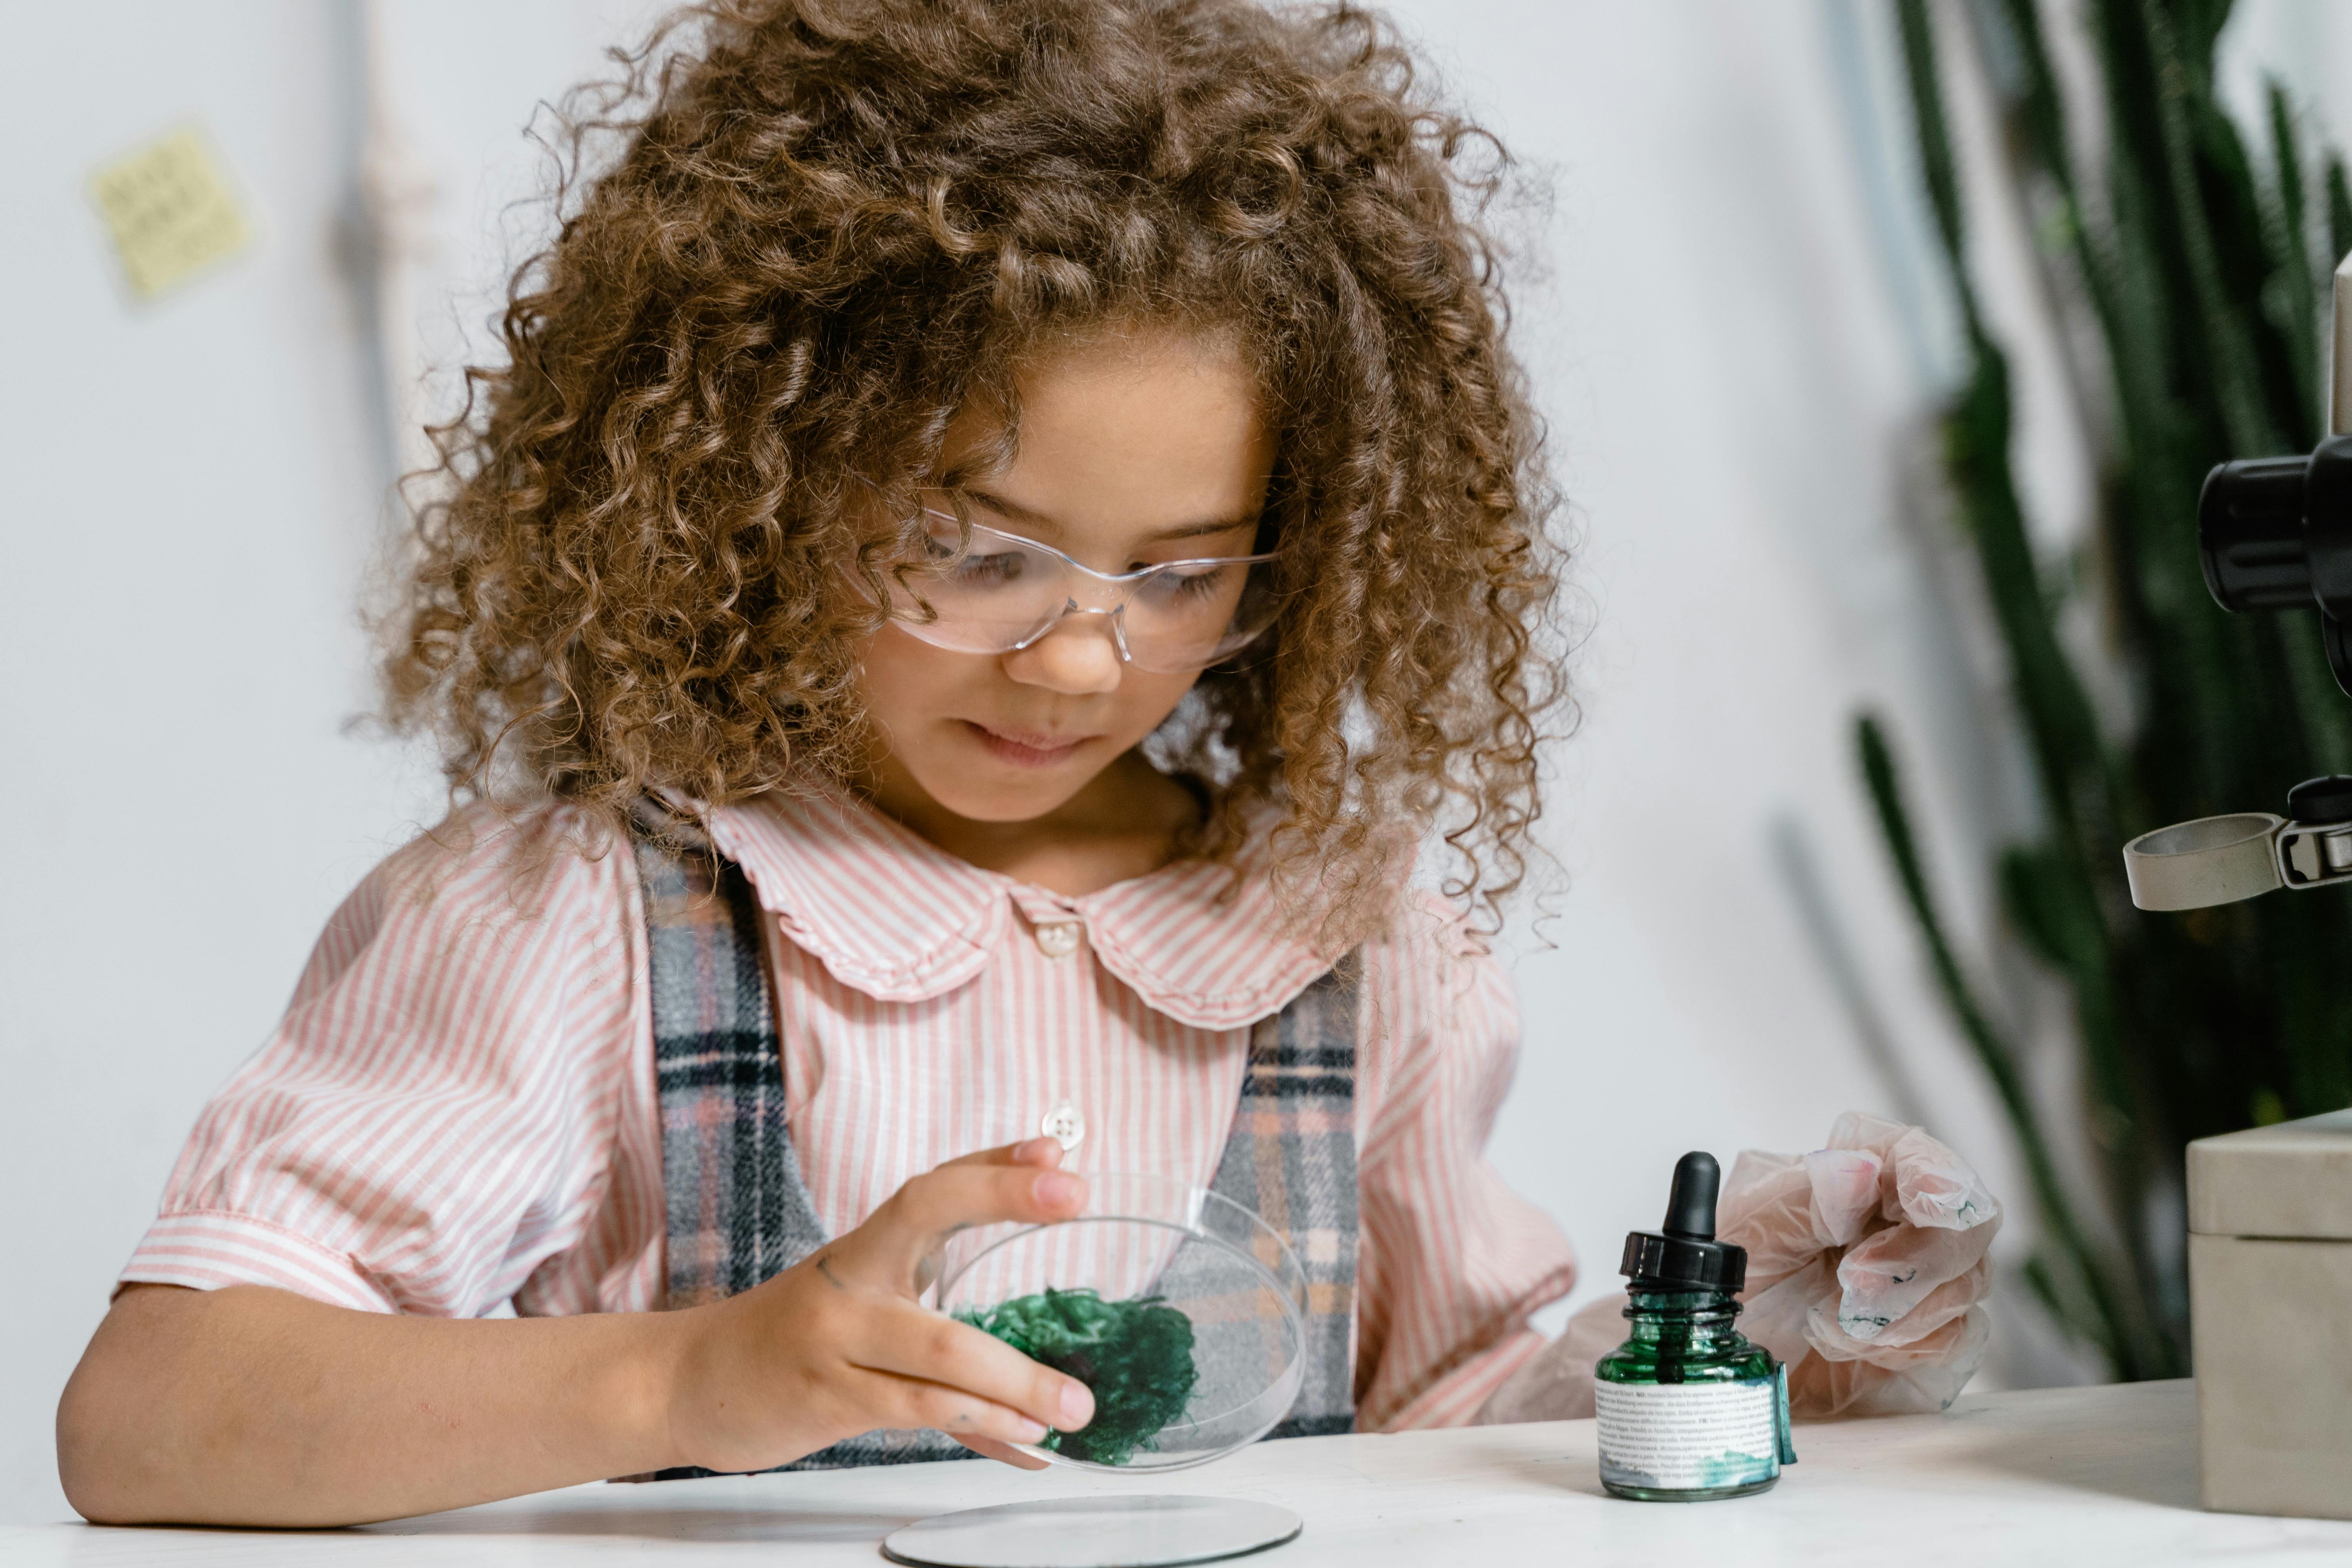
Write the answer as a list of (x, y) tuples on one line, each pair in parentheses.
[(1688, 1409)]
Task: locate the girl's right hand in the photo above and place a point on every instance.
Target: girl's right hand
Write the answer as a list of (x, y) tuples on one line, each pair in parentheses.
[(837, 1345)]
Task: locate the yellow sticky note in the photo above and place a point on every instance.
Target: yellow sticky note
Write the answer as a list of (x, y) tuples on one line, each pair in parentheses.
[(171, 210)]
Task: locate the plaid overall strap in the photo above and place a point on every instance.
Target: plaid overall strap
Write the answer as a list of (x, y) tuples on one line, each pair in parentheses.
[(739, 1212), (1291, 1157)]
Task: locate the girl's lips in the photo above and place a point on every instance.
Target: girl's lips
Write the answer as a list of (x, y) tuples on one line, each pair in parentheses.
[(1025, 748)]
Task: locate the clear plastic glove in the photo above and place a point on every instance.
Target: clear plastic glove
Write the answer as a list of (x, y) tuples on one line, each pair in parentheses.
[(1866, 1274), (1866, 1269)]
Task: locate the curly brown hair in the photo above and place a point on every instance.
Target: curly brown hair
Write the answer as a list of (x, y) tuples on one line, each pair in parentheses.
[(830, 225)]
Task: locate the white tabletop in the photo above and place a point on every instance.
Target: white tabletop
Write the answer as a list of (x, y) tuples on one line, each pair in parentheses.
[(2078, 1477)]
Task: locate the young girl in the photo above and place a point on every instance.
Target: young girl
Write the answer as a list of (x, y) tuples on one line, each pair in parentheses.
[(1005, 525)]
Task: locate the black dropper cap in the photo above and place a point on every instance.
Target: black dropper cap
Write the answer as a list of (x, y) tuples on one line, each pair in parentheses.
[(1683, 1255)]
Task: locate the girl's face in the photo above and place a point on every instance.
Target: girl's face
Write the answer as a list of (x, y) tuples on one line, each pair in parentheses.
[(1134, 451)]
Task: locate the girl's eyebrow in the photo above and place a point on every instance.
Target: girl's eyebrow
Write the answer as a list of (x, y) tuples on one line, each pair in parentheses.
[(1014, 512)]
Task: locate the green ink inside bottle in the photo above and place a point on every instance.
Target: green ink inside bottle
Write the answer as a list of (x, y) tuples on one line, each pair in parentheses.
[(1136, 1355), (1689, 1410)]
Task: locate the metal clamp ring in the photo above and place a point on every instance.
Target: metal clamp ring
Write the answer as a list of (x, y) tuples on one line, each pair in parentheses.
[(2212, 861)]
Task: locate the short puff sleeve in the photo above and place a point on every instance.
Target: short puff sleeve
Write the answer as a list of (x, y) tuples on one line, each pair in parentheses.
[(1452, 1260), (456, 1110)]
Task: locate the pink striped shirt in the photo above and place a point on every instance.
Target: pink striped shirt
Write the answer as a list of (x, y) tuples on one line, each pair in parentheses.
[(457, 1110)]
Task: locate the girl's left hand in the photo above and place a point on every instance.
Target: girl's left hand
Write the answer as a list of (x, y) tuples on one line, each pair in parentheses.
[(1866, 1267)]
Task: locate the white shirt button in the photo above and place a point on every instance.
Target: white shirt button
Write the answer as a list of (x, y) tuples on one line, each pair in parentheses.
[(1064, 1126), (1058, 939)]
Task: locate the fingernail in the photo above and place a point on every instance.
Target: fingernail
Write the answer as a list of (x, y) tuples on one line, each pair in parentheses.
[(1028, 1431), (1056, 1189), (1077, 1405)]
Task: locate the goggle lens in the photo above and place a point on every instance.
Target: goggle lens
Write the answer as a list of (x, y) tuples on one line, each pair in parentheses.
[(1003, 591)]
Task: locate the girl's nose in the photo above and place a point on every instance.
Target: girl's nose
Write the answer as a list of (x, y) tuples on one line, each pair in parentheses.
[(1077, 659)]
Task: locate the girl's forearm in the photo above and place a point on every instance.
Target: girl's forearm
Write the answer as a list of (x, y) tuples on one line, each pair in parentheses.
[(248, 1405)]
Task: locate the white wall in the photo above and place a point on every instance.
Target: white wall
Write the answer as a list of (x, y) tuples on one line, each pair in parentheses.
[(1739, 345), (1736, 339), (186, 505)]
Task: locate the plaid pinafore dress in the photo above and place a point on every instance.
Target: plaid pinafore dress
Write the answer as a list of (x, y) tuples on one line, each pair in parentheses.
[(739, 1213)]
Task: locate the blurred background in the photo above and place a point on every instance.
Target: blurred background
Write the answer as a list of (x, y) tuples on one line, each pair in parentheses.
[(1737, 302)]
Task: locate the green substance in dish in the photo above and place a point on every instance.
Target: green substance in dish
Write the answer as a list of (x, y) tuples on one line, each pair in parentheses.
[(1136, 1355)]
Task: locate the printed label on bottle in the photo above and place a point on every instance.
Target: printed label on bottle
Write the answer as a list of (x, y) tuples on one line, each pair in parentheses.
[(1689, 1437)]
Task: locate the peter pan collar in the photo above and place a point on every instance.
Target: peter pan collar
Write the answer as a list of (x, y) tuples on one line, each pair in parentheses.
[(900, 919)]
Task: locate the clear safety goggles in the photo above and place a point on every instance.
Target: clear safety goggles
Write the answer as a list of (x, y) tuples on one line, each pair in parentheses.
[(1002, 593)]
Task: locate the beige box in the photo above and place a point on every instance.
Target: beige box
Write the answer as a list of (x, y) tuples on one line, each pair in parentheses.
[(2270, 1290)]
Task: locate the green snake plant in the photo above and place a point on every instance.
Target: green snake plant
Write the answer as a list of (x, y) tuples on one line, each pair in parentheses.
[(2195, 260)]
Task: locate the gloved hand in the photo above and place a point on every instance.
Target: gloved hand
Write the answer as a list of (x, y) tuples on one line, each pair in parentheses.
[(1866, 1267)]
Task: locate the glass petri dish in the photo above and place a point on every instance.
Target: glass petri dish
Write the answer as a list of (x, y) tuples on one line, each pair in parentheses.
[(1178, 1249)]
